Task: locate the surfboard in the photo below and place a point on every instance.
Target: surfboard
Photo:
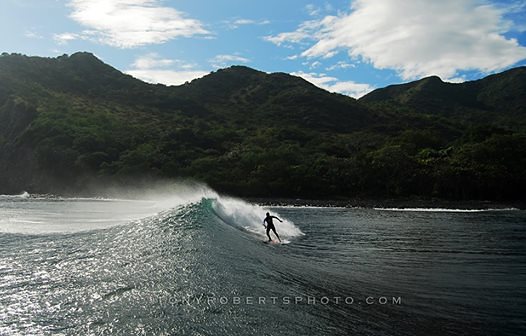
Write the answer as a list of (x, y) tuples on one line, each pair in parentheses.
[(273, 242)]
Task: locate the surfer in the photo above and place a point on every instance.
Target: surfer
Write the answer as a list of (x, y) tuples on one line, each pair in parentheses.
[(270, 226)]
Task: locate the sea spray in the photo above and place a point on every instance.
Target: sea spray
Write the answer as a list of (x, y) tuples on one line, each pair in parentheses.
[(249, 217), (128, 206)]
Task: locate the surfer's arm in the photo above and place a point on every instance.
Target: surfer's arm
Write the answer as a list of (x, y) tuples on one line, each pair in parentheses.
[(277, 218)]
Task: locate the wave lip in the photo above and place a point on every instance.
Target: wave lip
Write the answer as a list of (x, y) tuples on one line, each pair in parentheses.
[(24, 194), (48, 214)]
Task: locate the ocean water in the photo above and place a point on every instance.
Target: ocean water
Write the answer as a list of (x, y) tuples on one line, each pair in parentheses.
[(194, 263)]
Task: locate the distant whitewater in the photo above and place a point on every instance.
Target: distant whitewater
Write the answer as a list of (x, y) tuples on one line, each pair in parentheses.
[(444, 209)]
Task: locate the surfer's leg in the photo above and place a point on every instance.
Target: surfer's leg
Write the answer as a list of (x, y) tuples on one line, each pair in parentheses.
[(268, 235), (273, 229)]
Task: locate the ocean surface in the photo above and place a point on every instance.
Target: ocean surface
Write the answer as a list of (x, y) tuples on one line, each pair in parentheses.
[(194, 263)]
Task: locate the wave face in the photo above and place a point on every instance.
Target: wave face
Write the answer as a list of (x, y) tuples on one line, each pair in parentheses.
[(77, 266), (175, 264)]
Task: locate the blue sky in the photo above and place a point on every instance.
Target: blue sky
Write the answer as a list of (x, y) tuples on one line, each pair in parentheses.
[(346, 46)]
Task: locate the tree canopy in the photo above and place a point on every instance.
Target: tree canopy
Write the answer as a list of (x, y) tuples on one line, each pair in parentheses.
[(69, 121)]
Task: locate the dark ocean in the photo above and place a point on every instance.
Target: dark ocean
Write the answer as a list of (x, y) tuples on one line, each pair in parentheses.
[(194, 263)]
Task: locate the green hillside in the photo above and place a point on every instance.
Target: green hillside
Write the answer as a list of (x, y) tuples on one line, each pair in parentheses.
[(496, 99), (70, 122)]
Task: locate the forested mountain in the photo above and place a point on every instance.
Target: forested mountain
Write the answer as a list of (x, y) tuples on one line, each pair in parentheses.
[(70, 122), (495, 99)]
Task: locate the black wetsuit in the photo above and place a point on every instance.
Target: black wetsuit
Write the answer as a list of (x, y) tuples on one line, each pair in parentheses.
[(270, 226)]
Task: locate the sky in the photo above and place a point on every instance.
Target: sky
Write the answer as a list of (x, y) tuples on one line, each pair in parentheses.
[(346, 46)]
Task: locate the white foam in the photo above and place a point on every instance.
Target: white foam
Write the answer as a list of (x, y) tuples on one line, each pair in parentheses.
[(43, 215), (25, 194), (310, 207), (249, 217)]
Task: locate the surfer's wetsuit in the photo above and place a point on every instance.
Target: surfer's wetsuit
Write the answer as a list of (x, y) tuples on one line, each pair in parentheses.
[(270, 226)]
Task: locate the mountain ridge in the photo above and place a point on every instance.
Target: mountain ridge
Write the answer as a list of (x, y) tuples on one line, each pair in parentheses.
[(503, 91), (71, 122)]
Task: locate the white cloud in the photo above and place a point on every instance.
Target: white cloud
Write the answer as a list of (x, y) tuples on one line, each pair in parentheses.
[(340, 65), (459, 79), (315, 64), (312, 10), (517, 11), (222, 61), (292, 37), (154, 69), (133, 23), (32, 35), (240, 22), (304, 32), (236, 23), (151, 61), (66, 37), (167, 77), (332, 84), (415, 37), (514, 7)]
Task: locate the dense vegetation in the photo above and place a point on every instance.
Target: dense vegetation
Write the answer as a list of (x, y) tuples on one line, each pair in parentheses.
[(68, 122)]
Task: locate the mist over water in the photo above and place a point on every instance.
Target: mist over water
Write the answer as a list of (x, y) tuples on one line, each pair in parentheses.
[(185, 260)]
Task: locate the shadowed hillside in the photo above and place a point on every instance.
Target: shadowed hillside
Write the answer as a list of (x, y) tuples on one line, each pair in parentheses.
[(495, 99), (70, 122)]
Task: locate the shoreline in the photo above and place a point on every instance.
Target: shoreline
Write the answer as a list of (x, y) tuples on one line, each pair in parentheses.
[(388, 203), (406, 203)]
